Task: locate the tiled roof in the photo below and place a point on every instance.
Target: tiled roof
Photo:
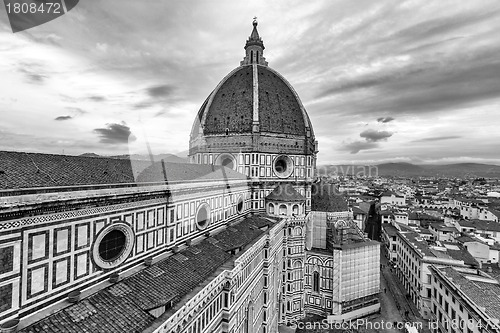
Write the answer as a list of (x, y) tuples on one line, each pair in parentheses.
[(451, 251), (20, 170), (422, 217), (389, 229), (466, 239), (440, 226), (480, 225), (325, 198), (285, 192), (186, 171), (389, 193), (458, 252), (484, 294), (231, 105), (418, 243), (123, 307), (495, 212), (357, 210)]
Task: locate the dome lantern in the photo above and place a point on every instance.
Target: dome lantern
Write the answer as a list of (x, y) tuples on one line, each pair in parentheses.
[(254, 48)]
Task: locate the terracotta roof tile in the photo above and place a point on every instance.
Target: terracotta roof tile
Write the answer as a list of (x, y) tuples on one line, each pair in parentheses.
[(124, 306), (325, 198), (285, 192), (32, 170)]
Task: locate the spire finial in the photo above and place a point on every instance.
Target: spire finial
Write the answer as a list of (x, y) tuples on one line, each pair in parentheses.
[(254, 48)]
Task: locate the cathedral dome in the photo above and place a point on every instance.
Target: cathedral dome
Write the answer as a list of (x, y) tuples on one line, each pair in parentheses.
[(253, 100), (230, 107)]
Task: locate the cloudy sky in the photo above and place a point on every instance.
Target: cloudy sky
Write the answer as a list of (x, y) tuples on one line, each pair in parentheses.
[(412, 81)]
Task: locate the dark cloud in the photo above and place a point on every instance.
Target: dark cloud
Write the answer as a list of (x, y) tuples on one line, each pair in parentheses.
[(422, 87), (385, 119), (439, 26), (356, 146), (372, 135), (32, 75), (143, 105), (63, 118), (350, 85), (97, 98), (438, 138), (160, 90), (115, 134)]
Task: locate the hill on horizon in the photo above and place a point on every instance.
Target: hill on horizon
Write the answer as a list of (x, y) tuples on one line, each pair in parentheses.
[(404, 169), (172, 158)]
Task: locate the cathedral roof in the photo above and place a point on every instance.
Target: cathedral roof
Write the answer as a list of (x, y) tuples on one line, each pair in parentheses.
[(231, 105), (126, 306), (285, 192), (325, 198), (19, 170)]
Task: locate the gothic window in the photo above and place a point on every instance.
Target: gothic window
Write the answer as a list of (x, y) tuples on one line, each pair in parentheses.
[(271, 208), (316, 282), (282, 209)]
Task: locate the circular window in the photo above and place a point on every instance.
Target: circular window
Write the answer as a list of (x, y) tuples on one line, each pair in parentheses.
[(202, 217), (113, 245), (239, 205), (283, 166)]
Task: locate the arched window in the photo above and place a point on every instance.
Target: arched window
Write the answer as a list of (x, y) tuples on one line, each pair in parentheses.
[(316, 282), (271, 208), (295, 210), (282, 209), (249, 319)]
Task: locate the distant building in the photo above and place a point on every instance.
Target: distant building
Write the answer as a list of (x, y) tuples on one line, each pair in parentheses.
[(389, 239), (392, 198), (360, 216), (480, 248), (488, 229), (443, 232)]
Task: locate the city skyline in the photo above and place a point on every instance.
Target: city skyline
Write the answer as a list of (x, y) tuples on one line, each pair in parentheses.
[(391, 81)]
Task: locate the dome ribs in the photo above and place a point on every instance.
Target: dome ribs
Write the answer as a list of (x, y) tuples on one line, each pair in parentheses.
[(279, 104), (230, 105)]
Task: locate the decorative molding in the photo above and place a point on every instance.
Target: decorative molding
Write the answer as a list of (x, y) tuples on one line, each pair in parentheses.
[(78, 213)]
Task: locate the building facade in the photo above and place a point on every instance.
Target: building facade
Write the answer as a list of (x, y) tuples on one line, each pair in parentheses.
[(464, 300)]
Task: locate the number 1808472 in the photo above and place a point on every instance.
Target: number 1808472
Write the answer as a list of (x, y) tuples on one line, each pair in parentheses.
[(32, 8)]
